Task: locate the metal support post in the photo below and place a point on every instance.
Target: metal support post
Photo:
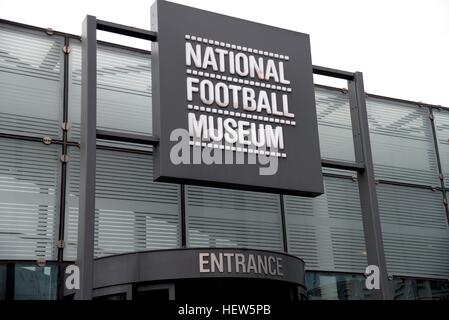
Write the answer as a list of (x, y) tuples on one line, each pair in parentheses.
[(367, 184), (86, 219)]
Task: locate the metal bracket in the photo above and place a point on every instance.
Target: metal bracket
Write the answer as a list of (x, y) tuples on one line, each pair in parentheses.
[(66, 49), (46, 140), (65, 126), (41, 262), (64, 158), (60, 244), (50, 31)]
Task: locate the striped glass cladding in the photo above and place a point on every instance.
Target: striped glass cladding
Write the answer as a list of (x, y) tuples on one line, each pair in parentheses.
[(133, 213), (334, 124), (442, 131), (327, 231), (402, 142), (123, 90), (232, 218), (31, 82), (29, 193), (415, 231)]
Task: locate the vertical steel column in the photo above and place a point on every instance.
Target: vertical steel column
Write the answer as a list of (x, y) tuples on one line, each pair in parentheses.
[(438, 157), (367, 184), (86, 219), (183, 216), (62, 197), (283, 223)]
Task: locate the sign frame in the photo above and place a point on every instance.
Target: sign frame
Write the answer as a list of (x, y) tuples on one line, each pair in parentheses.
[(298, 163)]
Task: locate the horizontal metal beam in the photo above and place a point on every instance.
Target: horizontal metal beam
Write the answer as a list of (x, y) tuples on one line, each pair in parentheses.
[(342, 165), (409, 185), (127, 137), (334, 73), (126, 30)]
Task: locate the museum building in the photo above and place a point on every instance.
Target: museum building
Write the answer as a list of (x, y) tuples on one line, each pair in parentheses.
[(168, 240)]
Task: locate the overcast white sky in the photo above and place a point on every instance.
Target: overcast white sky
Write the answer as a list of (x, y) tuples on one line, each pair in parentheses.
[(401, 46)]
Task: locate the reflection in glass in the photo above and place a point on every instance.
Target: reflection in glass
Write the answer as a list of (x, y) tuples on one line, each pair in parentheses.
[(328, 286), (419, 289), (35, 283), (2, 281)]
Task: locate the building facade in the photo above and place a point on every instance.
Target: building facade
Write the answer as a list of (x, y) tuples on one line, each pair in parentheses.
[(40, 103)]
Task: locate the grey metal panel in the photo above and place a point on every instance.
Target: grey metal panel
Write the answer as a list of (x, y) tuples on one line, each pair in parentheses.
[(184, 264), (86, 220), (367, 184), (300, 171)]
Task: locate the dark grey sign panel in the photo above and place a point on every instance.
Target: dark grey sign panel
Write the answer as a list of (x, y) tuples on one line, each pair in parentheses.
[(164, 265), (241, 90)]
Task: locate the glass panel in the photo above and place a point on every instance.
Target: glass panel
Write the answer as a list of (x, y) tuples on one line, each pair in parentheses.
[(432, 290), (117, 296), (231, 218), (403, 289), (123, 90), (133, 213), (2, 281), (29, 199), (334, 124), (419, 289), (442, 129), (402, 142), (31, 82), (328, 286), (415, 232), (153, 295), (327, 231), (35, 283)]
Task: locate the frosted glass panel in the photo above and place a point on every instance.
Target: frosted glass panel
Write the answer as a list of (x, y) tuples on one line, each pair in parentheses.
[(29, 196), (442, 129), (327, 231), (402, 142), (133, 213), (123, 90), (31, 82), (231, 218), (334, 125), (415, 231)]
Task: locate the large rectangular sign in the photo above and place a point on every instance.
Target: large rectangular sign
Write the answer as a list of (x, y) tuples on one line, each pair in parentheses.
[(233, 103)]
